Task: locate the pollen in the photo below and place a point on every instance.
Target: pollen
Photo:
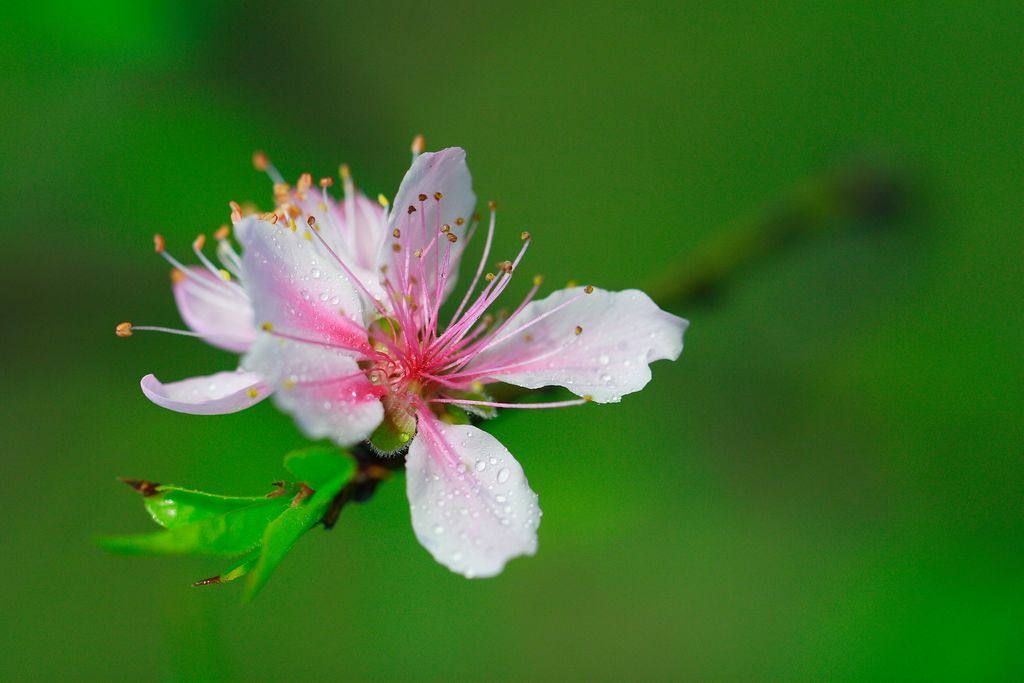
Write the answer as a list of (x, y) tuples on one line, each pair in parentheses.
[(397, 233), (579, 330), (267, 327), (438, 196), (252, 392), (123, 330), (308, 235), (158, 243)]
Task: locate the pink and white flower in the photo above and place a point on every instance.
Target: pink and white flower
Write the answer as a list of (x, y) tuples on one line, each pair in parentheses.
[(353, 343)]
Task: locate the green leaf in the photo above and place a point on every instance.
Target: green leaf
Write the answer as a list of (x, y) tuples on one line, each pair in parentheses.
[(319, 464), (172, 507), (237, 571), (282, 534), (230, 533)]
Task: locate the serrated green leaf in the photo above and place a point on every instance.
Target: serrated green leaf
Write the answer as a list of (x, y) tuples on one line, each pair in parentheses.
[(319, 464), (172, 507), (230, 533), (282, 534)]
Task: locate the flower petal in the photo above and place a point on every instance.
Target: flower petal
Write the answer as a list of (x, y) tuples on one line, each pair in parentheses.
[(222, 314), (323, 389), (472, 507), (224, 392), (298, 287), (443, 172), (356, 237), (619, 335)]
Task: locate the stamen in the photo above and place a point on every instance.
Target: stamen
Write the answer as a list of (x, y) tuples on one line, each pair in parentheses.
[(417, 146), (261, 163), (494, 404)]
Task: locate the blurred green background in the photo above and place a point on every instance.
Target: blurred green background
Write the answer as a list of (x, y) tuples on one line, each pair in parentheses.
[(826, 486)]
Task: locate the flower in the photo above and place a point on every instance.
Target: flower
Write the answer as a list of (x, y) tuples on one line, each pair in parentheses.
[(353, 343)]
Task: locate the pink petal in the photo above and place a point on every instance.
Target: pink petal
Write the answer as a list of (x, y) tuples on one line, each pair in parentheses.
[(323, 389), (622, 333), (298, 287), (223, 315), (224, 392), (445, 172), (358, 240), (472, 507)]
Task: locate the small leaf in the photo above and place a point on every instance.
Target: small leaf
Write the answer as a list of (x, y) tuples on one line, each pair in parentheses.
[(230, 533), (319, 464), (237, 571), (170, 506), (282, 534)]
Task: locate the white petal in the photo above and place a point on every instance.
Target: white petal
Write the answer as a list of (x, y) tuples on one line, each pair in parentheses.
[(222, 314), (298, 287), (621, 334), (224, 392), (472, 507), (323, 389), (445, 172)]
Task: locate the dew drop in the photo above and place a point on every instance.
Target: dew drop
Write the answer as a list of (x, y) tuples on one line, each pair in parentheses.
[(503, 475), (603, 359), (438, 529), (480, 465)]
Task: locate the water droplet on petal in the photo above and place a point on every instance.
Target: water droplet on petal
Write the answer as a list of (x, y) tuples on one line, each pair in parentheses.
[(503, 475), (480, 465)]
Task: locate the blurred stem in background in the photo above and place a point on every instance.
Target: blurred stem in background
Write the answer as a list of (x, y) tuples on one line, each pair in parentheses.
[(858, 194)]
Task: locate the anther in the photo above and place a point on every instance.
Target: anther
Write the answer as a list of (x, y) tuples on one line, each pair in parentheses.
[(412, 209), (588, 398), (259, 160), (524, 235), (222, 233), (453, 238), (326, 182), (417, 144), (267, 327), (538, 280), (199, 242), (177, 276), (579, 330), (305, 182), (123, 330), (423, 197), (489, 277), (570, 284), (504, 266), (438, 196), (492, 205), (344, 172), (225, 275), (460, 220), (418, 253), (158, 243), (253, 393), (383, 201), (397, 233), (396, 248), (311, 221), (589, 289), (446, 228)]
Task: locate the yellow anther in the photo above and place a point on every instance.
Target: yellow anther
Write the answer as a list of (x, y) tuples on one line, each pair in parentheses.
[(524, 235), (446, 228), (422, 197), (327, 182), (570, 284), (579, 330), (344, 172), (308, 235), (397, 233), (417, 144), (225, 275), (489, 277), (123, 329), (538, 280), (589, 289), (588, 398), (383, 201), (267, 327), (305, 182), (453, 238), (177, 276), (289, 384), (504, 266), (222, 233), (418, 253), (396, 248), (460, 220), (438, 196), (253, 393), (199, 242)]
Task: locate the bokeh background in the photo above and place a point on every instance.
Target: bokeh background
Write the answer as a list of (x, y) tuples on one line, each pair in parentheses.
[(826, 486)]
